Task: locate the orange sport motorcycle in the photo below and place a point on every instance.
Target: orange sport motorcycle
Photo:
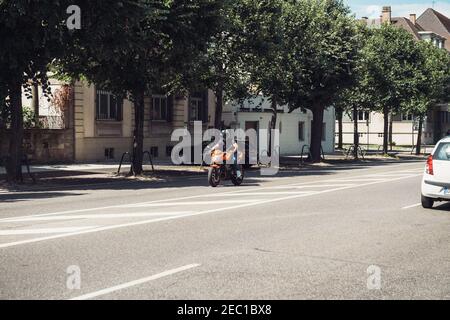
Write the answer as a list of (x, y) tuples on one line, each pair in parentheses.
[(222, 168)]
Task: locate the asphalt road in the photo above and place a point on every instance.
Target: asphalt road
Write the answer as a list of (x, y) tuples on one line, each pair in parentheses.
[(345, 232)]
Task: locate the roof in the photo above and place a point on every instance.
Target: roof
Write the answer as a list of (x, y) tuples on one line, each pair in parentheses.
[(406, 24), (432, 20), (400, 22)]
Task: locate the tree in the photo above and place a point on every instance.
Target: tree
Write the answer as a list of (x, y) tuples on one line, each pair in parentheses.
[(389, 65), (32, 34), (432, 83), (222, 67), (266, 47), (356, 96), (352, 101), (320, 46), (145, 45)]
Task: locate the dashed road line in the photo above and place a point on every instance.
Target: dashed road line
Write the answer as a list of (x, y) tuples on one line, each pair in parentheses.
[(15, 232), (412, 206), (135, 282)]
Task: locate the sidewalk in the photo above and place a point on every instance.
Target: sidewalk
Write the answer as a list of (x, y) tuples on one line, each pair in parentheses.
[(79, 174), (340, 157)]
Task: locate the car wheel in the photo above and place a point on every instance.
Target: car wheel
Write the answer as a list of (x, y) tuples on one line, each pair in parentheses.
[(427, 203)]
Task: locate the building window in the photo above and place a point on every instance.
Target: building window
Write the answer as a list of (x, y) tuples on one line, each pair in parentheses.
[(363, 115), (407, 117), (195, 108), (301, 131), (109, 153), (324, 131), (108, 106), (154, 152), (159, 107), (169, 151)]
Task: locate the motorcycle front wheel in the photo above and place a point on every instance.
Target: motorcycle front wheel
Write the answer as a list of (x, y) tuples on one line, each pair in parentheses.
[(213, 176)]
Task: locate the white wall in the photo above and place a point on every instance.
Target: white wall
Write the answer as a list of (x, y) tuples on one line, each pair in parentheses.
[(289, 135)]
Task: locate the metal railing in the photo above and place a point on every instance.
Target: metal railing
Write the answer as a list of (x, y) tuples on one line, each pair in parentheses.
[(423, 149), (130, 157), (121, 162), (356, 150), (322, 154), (5, 160), (149, 158), (26, 163)]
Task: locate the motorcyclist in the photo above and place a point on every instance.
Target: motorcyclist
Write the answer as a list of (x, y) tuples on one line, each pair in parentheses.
[(227, 143)]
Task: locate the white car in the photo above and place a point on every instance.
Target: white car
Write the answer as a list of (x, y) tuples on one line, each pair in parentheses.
[(436, 179)]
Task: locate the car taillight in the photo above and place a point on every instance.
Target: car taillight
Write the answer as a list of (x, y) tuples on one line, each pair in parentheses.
[(430, 165)]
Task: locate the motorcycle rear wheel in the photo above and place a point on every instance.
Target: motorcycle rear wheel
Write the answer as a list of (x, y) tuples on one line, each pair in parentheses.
[(213, 177)]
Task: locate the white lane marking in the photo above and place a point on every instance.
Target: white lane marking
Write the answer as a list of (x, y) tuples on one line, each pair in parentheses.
[(135, 282), (362, 179), (315, 186), (16, 243), (15, 232), (386, 175), (260, 193), (188, 203), (411, 206), (99, 216)]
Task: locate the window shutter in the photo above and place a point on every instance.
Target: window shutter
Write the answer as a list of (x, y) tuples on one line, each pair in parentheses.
[(205, 106), (120, 110), (170, 108), (97, 106), (151, 108)]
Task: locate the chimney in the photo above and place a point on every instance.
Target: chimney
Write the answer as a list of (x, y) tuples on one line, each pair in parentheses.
[(412, 17), (386, 15)]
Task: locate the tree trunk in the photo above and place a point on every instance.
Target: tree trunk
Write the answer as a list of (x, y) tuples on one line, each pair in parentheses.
[(355, 133), (316, 132), (219, 108), (35, 102), (138, 143), (385, 130), (339, 114), (391, 121), (273, 125), (14, 163), (419, 136)]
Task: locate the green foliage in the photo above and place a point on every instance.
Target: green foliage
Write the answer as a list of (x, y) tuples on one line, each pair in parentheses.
[(29, 118), (389, 67), (32, 34), (432, 80), (222, 66), (143, 44)]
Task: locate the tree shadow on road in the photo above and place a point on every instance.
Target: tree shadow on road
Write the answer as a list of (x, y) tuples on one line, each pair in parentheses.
[(25, 196)]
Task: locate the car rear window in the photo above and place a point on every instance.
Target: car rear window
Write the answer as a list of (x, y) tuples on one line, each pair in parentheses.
[(442, 151)]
